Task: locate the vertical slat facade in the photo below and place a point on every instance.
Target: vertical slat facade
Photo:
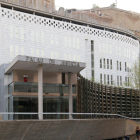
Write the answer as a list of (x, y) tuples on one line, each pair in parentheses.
[(97, 98)]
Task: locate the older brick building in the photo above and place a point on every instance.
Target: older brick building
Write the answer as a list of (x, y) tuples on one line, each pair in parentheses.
[(120, 17)]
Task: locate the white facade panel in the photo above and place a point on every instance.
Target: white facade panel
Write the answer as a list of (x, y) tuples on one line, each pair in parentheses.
[(32, 35)]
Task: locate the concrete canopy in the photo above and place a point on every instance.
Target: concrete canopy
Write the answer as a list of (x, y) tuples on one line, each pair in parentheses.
[(51, 65)]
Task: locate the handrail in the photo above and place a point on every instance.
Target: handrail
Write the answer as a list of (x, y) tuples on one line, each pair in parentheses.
[(59, 113)]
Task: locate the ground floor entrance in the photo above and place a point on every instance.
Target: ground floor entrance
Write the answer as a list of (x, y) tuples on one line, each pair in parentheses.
[(50, 105)]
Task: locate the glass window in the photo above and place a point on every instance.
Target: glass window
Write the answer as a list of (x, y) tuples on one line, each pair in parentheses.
[(107, 63), (126, 81), (117, 80), (92, 57), (92, 60), (108, 79), (125, 66), (92, 46), (117, 65), (120, 80), (101, 63), (104, 64), (120, 66), (92, 64), (111, 79), (105, 79), (110, 63), (93, 75), (101, 78)]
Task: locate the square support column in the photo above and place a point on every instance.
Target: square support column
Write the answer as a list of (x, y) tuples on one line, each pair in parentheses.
[(40, 91), (70, 95)]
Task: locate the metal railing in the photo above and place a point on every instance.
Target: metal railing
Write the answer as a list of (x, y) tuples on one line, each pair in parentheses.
[(79, 15), (75, 115)]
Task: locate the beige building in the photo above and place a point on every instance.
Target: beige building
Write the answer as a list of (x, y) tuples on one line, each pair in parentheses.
[(36, 4), (126, 19)]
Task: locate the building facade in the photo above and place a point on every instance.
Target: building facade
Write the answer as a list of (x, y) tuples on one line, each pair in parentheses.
[(108, 56), (105, 53)]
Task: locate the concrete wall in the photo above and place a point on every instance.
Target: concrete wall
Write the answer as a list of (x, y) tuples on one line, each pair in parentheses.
[(67, 129)]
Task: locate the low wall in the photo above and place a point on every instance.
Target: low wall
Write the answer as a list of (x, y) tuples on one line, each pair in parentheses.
[(66, 129)]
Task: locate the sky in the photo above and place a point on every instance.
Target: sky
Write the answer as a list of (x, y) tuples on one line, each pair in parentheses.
[(129, 5)]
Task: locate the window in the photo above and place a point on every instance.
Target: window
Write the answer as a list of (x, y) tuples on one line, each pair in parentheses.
[(105, 79), (107, 63), (92, 75), (117, 65), (104, 64), (126, 81), (117, 80), (125, 66), (101, 78), (92, 56), (111, 64), (111, 79), (120, 66), (92, 60), (120, 80), (101, 63), (92, 46), (92, 64), (108, 79)]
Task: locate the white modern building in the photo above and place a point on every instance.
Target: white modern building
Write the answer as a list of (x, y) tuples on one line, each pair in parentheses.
[(103, 54)]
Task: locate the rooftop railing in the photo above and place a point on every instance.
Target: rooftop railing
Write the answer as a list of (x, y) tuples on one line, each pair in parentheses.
[(79, 15)]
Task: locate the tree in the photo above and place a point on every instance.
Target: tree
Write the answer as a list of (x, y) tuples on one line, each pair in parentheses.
[(113, 5), (134, 75), (95, 6)]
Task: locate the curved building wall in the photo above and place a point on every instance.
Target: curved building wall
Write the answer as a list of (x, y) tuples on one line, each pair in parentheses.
[(31, 35)]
